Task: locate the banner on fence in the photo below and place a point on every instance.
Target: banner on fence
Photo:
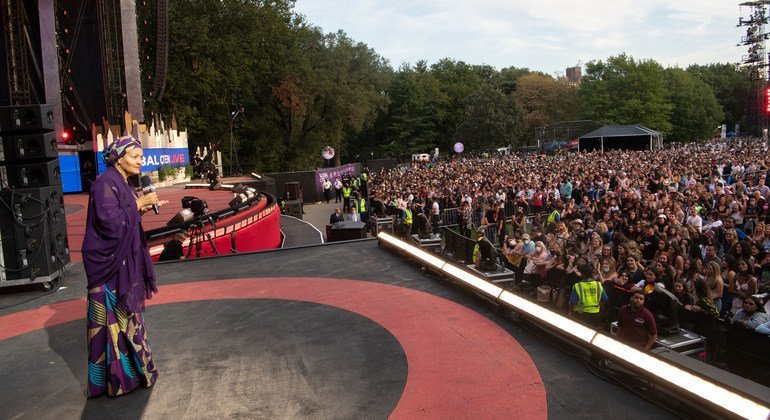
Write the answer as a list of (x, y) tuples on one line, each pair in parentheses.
[(332, 173)]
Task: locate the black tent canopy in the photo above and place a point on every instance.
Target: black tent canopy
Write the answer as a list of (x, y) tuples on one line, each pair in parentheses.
[(613, 137)]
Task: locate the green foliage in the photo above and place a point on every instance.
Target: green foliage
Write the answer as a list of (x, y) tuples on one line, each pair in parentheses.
[(695, 109), (166, 172), (731, 87), (492, 119), (415, 113), (626, 91), (545, 100)]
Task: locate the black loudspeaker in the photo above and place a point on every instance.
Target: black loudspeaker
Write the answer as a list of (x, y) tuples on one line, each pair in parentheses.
[(292, 190), (31, 175), (38, 117), (293, 208), (16, 147), (31, 211), (36, 256)]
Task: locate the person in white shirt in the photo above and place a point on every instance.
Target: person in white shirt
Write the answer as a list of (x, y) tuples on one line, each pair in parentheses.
[(435, 216), (352, 216), (337, 191), (693, 219), (327, 187)]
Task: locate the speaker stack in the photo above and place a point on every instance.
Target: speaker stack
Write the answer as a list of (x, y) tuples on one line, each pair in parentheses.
[(33, 227)]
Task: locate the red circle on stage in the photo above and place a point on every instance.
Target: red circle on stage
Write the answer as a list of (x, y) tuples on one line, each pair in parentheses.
[(460, 364)]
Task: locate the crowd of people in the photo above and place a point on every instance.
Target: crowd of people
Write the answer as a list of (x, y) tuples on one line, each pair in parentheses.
[(692, 219)]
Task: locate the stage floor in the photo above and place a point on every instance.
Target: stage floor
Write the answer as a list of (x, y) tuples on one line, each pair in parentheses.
[(343, 330)]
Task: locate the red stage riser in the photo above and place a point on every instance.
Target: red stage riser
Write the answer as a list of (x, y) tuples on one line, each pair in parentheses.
[(257, 232)]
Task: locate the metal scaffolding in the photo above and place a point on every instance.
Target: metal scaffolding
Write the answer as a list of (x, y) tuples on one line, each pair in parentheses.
[(110, 37), (756, 61), (15, 27)]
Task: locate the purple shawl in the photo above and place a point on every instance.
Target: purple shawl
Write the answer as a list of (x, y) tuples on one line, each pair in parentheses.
[(114, 245)]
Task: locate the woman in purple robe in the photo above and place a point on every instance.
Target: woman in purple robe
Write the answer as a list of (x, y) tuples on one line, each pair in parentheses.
[(120, 276)]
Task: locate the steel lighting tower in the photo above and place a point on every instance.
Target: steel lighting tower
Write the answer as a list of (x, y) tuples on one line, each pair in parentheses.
[(756, 61)]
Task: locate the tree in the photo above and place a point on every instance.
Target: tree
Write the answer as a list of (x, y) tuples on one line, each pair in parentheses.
[(416, 101), (626, 91), (492, 119), (506, 79), (695, 110), (731, 87), (544, 100), (457, 80), (332, 89), (225, 54)]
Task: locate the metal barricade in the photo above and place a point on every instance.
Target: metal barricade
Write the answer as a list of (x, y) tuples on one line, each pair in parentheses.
[(450, 217)]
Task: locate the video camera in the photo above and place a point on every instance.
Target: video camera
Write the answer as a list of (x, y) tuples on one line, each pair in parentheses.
[(199, 207)]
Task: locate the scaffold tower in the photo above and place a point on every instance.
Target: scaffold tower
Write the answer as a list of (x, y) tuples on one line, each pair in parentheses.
[(756, 61)]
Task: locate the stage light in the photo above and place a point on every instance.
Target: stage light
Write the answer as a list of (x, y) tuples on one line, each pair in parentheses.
[(472, 280), (561, 322), (696, 385), (65, 135), (392, 241), (414, 251)]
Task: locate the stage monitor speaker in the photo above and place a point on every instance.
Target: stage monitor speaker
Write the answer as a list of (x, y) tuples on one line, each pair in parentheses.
[(37, 256), (40, 209), (293, 208), (16, 147), (292, 190), (31, 175), (26, 118)]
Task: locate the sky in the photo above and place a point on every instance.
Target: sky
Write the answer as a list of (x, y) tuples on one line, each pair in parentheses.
[(543, 35)]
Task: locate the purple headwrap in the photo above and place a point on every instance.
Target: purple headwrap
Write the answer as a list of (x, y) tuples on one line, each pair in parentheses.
[(118, 148)]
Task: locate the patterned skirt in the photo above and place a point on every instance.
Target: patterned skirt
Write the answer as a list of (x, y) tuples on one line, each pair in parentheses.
[(119, 356)]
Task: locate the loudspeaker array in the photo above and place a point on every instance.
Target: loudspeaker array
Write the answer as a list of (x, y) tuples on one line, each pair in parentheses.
[(33, 227)]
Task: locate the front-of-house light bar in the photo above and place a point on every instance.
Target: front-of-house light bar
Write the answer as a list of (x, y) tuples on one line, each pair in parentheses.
[(422, 255), (540, 313), (696, 385), (474, 281)]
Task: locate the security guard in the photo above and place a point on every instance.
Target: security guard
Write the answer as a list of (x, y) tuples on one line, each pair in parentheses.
[(587, 296), (407, 219), (346, 191), (483, 253), (554, 217), (360, 204)]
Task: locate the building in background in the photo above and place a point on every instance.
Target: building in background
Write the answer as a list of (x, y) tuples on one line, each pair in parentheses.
[(574, 75)]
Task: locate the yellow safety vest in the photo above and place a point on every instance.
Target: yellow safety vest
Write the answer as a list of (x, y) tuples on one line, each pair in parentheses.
[(589, 295), (407, 216), (346, 192), (361, 205), (364, 176), (551, 217)]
